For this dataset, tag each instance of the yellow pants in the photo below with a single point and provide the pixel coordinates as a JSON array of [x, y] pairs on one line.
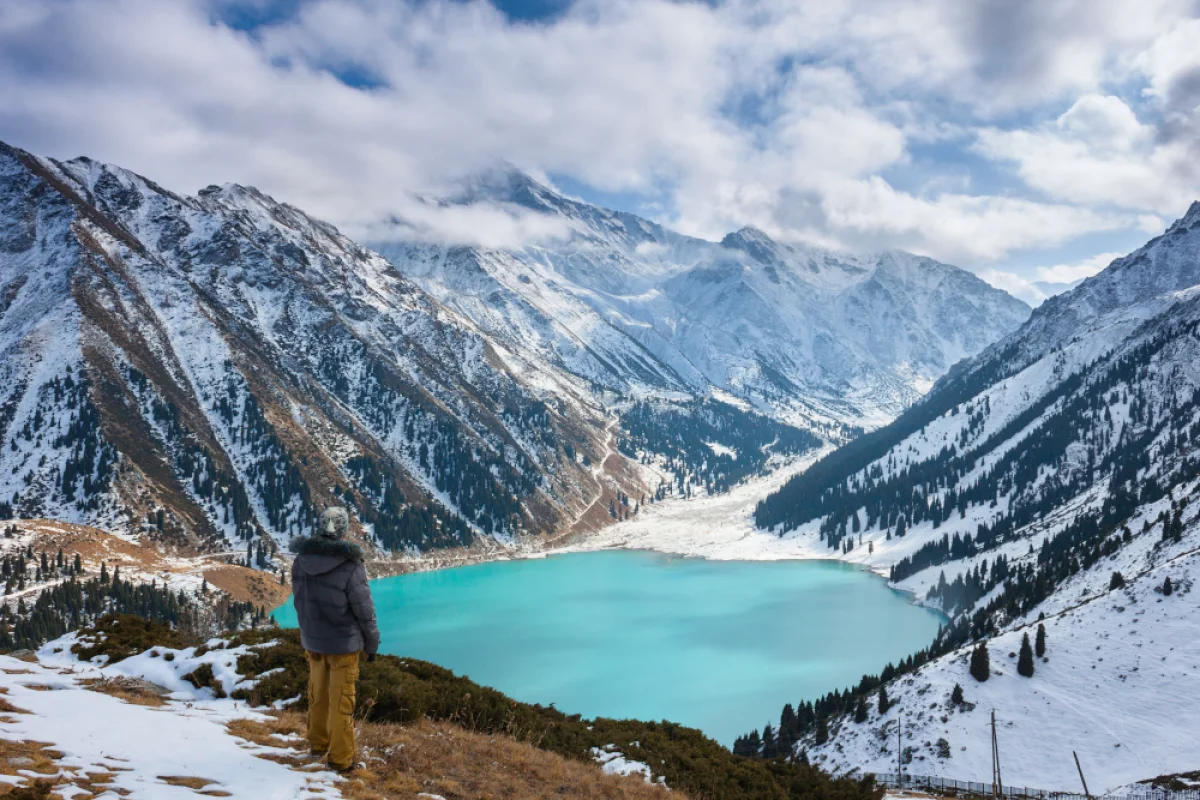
[[331, 680]]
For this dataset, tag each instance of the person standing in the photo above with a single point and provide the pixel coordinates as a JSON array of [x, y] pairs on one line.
[[337, 623]]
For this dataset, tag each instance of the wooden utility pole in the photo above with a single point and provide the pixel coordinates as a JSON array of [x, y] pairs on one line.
[[997, 783], [1082, 780]]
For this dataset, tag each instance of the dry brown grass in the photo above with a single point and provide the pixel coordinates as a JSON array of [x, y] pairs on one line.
[[93, 545], [195, 784], [39, 758], [129, 691], [404, 761], [7, 707], [248, 585]]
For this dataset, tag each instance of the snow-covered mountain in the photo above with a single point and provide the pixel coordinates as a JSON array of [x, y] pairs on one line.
[[1046, 481], [215, 368], [819, 338]]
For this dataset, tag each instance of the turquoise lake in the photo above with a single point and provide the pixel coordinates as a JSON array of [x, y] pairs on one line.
[[717, 645]]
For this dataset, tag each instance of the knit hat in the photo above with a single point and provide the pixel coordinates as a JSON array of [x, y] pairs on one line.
[[334, 523]]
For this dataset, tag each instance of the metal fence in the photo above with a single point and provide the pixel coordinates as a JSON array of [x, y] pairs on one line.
[[953, 787]]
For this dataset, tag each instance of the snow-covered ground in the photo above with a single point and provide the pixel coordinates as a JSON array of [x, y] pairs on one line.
[[715, 526], [137, 747], [1118, 686]]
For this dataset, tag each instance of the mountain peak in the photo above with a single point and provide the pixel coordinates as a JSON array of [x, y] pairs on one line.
[[506, 184], [752, 241], [1192, 216]]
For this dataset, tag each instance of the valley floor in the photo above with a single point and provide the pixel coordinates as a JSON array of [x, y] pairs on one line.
[[716, 527]]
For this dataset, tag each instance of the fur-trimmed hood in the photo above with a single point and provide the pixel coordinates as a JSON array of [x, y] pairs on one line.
[[318, 555]]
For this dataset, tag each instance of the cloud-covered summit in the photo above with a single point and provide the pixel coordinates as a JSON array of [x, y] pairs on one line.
[[1005, 136]]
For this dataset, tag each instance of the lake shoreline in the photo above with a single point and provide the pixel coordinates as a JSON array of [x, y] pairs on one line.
[[714, 527], [648, 635]]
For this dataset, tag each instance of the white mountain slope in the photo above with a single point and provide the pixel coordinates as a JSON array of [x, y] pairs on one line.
[[215, 368], [1063, 454], [806, 334]]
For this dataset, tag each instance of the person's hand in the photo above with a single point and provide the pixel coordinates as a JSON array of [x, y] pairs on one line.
[[370, 658]]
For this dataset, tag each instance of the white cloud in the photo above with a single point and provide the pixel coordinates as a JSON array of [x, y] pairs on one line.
[[1069, 273], [1104, 122], [784, 115], [494, 225], [1097, 152], [1020, 288]]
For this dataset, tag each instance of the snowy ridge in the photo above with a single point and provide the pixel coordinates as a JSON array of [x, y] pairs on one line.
[[234, 362], [1053, 476], [814, 337]]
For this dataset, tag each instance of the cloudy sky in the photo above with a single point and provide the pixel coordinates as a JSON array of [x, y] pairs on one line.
[[1028, 140]]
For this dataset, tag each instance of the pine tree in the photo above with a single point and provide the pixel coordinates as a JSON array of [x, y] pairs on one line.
[[980, 663], [103, 572], [956, 696], [770, 748], [1117, 581], [78, 569], [1025, 659], [884, 702], [901, 527], [1040, 644], [822, 730], [1167, 588], [860, 710]]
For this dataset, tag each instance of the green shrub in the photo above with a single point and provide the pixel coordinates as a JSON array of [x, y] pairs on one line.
[[120, 636], [403, 690], [202, 678]]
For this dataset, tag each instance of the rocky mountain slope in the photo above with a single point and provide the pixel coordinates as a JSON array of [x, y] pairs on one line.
[[1048, 481], [212, 370], [822, 339]]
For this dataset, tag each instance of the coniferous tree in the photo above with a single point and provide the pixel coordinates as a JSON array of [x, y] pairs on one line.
[[1117, 581], [956, 696], [822, 730], [860, 710], [1040, 644], [980, 663], [1167, 588], [1025, 658], [884, 702], [770, 747], [104, 572]]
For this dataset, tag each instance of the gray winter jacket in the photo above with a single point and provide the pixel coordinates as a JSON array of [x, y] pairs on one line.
[[333, 600]]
